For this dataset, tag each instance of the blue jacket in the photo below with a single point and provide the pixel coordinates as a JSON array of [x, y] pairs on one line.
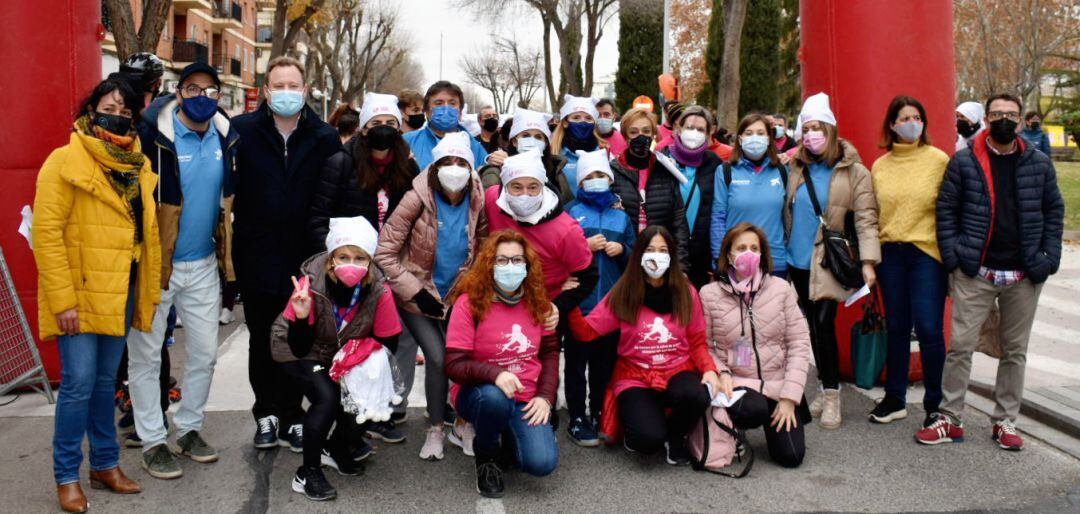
[[755, 197], [617, 227], [423, 141], [1038, 139]]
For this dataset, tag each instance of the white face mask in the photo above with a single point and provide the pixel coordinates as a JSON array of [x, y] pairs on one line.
[[692, 139], [524, 205], [454, 178], [655, 264], [526, 143]]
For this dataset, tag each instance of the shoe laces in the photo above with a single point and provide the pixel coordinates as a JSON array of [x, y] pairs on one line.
[[1007, 427], [317, 479], [489, 472], [297, 429], [434, 435], [266, 424]]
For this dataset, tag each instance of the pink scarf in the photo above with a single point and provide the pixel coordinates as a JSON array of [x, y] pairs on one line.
[[746, 286]]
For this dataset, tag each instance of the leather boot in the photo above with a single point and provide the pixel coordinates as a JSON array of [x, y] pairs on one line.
[[113, 480], [72, 498], [830, 413]]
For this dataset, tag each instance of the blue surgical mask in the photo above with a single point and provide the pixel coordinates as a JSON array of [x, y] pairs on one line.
[[778, 132], [605, 125], [595, 185], [754, 147], [510, 276], [200, 108], [286, 103], [444, 118], [581, 130]]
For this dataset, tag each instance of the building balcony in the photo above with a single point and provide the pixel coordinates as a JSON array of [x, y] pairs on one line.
[[226, 15], [189, 52], [266, 5], [264, 37], [182, 6], [226, 66]]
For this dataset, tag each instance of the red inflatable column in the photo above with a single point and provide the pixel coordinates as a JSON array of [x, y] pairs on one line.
[[862, 53], [51, 59]]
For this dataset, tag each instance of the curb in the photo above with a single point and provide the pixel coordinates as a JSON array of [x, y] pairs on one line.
[[1071, 235], [1048, 412]]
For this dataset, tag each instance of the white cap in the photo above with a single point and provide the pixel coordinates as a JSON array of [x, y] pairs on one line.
[[523, 165], [815, 108], [377, 104], [525, 119], [572, 104], [596, 160], [454, 144], [973, 111], [471, 125], [356, 232]]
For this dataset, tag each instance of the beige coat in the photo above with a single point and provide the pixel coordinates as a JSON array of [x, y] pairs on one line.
[[850, 189], [409, 239]]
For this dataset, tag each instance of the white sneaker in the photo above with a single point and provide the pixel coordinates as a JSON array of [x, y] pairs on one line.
[[178, 324], [226, 317], [462, 436], [433, 444]]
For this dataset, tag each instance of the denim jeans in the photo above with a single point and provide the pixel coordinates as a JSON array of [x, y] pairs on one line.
[[492, 414], [84, 404], [913, 286]]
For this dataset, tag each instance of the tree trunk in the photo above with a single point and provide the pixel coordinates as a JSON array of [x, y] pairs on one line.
[[129, 38], [570, 55], [727, 103], [549, 80], [277, 30], [155, 14]]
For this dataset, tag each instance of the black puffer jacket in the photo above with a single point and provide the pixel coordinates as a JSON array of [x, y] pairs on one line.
[[338, 195], [663, 203], [965, 211], [701, 238]]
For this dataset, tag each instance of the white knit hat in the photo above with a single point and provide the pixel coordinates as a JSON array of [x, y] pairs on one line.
[[525, 119], [973, 111], [596, 160], [377, 104], [523, 165], [471, 125], [356, 232], [572, 104], [454, 144], [815, 108]]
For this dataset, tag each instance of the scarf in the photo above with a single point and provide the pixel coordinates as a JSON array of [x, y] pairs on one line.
[[121, 158], [745, 287], [686, 156], [629, 160], [599, 200], [588, 144], [658, 298], [508, 298], [381, 164]]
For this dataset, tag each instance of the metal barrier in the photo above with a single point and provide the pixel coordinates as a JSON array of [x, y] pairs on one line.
[[20, 364]]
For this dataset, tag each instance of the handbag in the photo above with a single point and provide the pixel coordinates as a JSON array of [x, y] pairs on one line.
[[990, 334], [869, 344], [841, 248], [716, 445]]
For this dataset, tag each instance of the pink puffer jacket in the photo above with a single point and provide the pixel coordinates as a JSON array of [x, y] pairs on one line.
[[782, 337]]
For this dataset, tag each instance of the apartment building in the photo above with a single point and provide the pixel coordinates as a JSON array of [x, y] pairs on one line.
[[231, 35]]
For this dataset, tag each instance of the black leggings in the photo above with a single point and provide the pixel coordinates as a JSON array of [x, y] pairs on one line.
[[641, 411], [821, 317], [325, 397], [599, 357], [755, 410]]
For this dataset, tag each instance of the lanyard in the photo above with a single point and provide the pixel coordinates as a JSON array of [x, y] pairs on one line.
[[342, 313]]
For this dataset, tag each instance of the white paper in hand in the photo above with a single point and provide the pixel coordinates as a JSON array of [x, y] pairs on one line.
[[27, 222], [863, 291], [721, 399], [666, 162]]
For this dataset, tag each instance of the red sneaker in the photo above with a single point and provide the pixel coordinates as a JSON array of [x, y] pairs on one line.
[[940, 431], [1005, 434]]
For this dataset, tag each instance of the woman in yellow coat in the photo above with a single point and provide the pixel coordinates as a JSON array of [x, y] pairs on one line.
[[99, 265]]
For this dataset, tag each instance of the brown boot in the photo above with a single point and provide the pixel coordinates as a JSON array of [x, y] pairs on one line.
[[72, 498], [113, 480]]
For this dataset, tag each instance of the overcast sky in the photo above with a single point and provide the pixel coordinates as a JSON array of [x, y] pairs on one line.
[[463, 33]]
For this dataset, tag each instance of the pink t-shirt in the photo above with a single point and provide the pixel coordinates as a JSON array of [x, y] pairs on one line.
[[560, 243], [616, 144], [657, 341], [387, 323], [507, 337]]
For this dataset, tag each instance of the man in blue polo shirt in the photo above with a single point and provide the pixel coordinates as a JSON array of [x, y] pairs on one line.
[[442, 106], [191, 147]]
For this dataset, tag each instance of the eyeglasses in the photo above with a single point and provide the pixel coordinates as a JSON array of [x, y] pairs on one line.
[[997, 115], [192, 91], [503, 261]]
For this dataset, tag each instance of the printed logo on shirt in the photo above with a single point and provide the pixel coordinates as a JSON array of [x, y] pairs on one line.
[[580, 219], [217, 154], [740, 182], [184, 159], [775, 182], [657, 331], [516, 341]]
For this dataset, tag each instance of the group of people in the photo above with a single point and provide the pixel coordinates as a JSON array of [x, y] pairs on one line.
[[668, 268]]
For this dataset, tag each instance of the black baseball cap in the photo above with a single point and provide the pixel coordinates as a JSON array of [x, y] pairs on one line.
[[199, 67]]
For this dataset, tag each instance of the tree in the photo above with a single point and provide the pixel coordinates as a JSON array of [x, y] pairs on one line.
[[130, 39], [522, 68], [759, 65], [714, 56], [641, 48], [350, 42], [506, 71], [290, 17], [486, 70], [790, 85], [727, 102], [689, 39]]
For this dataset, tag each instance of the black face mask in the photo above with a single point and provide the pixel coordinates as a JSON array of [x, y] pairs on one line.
[[639, 145], [415, 121], [382, 137], [112, 123], [491, 125], [965, 128], [1035, 125], [1003, 131]]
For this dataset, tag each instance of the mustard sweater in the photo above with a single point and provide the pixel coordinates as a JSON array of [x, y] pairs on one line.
[[906, 184]]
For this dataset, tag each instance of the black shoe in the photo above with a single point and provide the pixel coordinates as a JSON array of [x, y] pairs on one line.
[[126, 423], [677, 454], [489, 481], [266, 433], [342, 462], [889, 409], [583, 433], [449, 417], [293, 438], [386, 431], [362, 451], [399, 417], [312, 483]]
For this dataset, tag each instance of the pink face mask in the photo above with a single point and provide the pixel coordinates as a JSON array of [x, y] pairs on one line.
[[815, 141], [747, 263], [350, 274]]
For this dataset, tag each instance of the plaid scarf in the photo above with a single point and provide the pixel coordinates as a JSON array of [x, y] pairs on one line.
[[121, 158]]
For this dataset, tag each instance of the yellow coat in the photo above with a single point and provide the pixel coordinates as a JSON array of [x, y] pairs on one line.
[[84, 242]]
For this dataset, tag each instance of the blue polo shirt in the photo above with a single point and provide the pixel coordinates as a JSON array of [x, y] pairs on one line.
[[201, 176], [804, 221], [423, 141], [754, 196], [452, 246]]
